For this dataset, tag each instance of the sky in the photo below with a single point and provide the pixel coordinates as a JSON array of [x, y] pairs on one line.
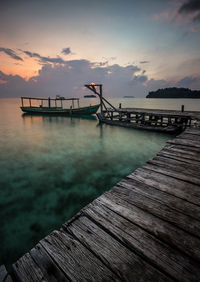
[[54, 47]]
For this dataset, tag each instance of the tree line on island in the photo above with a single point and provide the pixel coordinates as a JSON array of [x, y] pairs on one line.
[[174, 92]]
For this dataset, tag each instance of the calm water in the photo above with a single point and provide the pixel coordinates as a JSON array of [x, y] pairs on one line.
[[50, 167]]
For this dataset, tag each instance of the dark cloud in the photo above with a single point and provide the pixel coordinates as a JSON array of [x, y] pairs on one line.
[[44, 60], [144, 62], [68, 79], [188, 81], [10, 53], [66, 51], [191, 7]]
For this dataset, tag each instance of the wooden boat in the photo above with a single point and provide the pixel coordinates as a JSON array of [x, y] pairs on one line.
[[58, 107], [154, 120]]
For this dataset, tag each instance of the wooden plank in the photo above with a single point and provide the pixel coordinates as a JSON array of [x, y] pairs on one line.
[[167, 259], [77, 262], [50, 270], [113, 253], [172, 173], [189, 136], [171, 201], [185, 149], [182, 153], [186, 170], [3, 273], [179, 157], [25, 269], [185, 142], [173, 186], [163, 230], [178, 162], [157, 208], [4, 276], [193, 131]]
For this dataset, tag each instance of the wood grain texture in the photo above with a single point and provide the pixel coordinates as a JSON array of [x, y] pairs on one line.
[[125, 263], [4, 276], [161, 255], [174, 203], [179, 188], [158, 209], [76, 261], [172, 173]]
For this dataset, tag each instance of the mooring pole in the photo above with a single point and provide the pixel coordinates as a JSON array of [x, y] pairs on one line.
[[101, 105], [182, 108], [49, 102]]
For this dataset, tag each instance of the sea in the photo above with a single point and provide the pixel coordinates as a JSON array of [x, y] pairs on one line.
[[51, 167]]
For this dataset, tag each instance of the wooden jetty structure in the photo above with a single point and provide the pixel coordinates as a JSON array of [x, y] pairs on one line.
[[146, 228], [168, 121], [58, 107]]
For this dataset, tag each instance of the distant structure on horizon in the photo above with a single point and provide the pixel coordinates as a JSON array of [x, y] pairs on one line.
[[129, 97], [174, 92], [90, 96]]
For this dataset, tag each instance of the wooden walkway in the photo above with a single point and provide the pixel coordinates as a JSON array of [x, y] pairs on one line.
[[147, 228]]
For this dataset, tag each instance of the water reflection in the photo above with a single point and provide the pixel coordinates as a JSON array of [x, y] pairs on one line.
[[52, 166]]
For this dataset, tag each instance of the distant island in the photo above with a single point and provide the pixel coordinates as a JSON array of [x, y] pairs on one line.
[[89, 96], [174, 92], [129, 97]]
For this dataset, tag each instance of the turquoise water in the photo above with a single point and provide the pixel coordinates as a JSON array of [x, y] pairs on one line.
[[50, 167]]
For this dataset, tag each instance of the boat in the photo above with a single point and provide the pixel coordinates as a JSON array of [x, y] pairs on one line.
[[56, 106], [154, 120]]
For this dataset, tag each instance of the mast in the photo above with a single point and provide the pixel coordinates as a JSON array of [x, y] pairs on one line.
[[98, 90]]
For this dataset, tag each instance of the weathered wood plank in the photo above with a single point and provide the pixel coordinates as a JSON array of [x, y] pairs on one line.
[[172, 173], [3, 273], [179, 157], [4, 276], [50, 270], [157, 208], [178, 162], [193, 151], [171, 201], [125, 263], [176, 187], [165, 258], [186, 170], [189, 136], [185, 142], [182, 153], [77, 262], [25, 269], [193, 131], [163, 230]]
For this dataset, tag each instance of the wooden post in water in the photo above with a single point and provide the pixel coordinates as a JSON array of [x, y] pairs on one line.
[[101, 105], [22, 101], [30, 101], [49, 102], [182, 108]]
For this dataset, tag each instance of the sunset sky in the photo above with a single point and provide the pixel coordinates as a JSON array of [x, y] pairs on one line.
[[132, 47]]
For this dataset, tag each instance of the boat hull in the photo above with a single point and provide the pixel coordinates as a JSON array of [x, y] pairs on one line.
[[167, 129], [60, 111]]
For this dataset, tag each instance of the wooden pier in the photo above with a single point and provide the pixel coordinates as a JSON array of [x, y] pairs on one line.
[[146, 228], [169, 121]]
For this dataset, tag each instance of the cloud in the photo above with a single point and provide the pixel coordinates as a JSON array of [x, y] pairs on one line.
[[144, 62], [10, 53], [66, 51], [68, 79], [191, 7], [189, 82], [44, 60]]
